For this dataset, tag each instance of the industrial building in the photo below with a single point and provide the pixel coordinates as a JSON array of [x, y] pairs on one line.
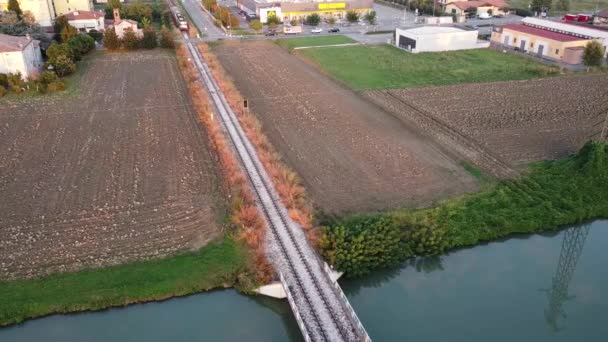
[[438, 38], [549, 39], [287, 10]]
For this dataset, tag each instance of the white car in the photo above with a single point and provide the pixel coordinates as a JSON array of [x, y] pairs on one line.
[[484, 15], [316, 30]]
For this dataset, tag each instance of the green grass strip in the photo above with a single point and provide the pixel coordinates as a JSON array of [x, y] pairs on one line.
[[216, 265], [291, 43]]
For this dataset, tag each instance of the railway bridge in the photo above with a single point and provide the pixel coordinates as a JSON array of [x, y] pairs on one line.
[[320, 307]]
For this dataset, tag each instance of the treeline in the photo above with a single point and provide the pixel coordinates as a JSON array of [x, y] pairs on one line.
[[223, 16], [553, 194], [132, 41]]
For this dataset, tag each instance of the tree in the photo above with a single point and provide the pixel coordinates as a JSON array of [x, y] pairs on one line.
[[313, 19], [130, 41], [370, 17], [68, 32], [331, 21], [539, 5], [352, 16], [166, 38], [110, 39], [256, 25], [28, 18], [273, 19], [56, 50], [13, 6], [593, 54], [48, 81], [145, 22], [114, 4], [293, 22], [149, 41], [60, 23], [209, 4], [136, 11], [62, 65]]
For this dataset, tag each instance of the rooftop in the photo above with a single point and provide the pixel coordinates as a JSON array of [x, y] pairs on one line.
[[13, 43], [565, 27], [433, 29], [464, 5], [84, 15], [560, 37]]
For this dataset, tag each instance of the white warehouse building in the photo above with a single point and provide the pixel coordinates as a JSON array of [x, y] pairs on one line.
[[437, 38]]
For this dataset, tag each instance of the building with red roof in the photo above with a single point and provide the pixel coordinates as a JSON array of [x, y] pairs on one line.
[[541, 41], [87, 20], [474, 7]]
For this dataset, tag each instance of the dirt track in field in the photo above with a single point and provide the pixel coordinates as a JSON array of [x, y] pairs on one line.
[[120, 172], [518, 121], [351, 155]]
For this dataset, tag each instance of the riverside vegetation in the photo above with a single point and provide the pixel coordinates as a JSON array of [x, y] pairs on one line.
[[550, 195]]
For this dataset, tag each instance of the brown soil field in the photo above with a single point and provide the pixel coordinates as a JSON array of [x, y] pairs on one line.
[[519, 121], [351, 155], [119, 172]]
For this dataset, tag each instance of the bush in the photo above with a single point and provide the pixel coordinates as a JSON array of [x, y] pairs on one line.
[[56, 50], [130, 41], [371, 17], [523, 12], [3, 91], [149, 41], [352, 16], [45, 79], [56, 86], [110, 40], [68, 32], [593, 54], [3, 80], [255, 25], [63, 65], [166, 39], [16, 83], [313, 19]]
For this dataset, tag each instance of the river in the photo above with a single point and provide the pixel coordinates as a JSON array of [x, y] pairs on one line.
[[530, 288]]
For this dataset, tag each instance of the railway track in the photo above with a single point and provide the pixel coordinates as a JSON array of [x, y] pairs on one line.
[[324, 312]]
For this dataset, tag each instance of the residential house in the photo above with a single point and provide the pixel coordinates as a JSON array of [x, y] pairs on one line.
[[20, 54], [66, 6], [42, 10], [476, 7], [85, 21]]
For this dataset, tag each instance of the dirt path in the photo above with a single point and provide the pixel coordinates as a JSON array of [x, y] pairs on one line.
[[121, 172], [351, 155]]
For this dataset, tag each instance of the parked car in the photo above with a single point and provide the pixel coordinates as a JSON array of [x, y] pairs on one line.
[[333, 30], [271, 33], [484, 15], [316, 30]]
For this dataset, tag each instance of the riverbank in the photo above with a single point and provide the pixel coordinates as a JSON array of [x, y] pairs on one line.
[[550, 195], [217, 265]]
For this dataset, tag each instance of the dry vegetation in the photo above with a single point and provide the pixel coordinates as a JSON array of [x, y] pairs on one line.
[[286, 181], [117, 173], [245, 213], [518, 121]]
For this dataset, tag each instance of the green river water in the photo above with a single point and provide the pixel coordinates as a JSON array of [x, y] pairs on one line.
[[532, 288]]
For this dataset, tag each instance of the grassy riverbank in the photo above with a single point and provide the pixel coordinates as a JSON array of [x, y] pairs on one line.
[[550, 195], [219, 264]]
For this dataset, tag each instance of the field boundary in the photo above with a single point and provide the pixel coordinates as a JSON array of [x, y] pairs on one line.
[[323, 46]]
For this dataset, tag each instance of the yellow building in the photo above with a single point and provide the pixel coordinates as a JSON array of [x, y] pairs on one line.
[[288, 10], [474, 8], [66, 6], [539, 41]]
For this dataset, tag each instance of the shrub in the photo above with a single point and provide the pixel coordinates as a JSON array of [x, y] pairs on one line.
[[110, 40], [149, 40], [3, 80], [56, 86], [3, 91], [48, 81], [166, 38], [273, 20], [371, 17], [293, 22], [313, 19], [593, 54], [63, 65], [255, 25], [130, 41], [16, 83], [352, 16], [68, 32], [522, 12], [56, 50]]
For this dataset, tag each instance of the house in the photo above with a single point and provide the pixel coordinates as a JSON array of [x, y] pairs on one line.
[[548, 39], [437, 38], [87, 20], [66, 6], [475, 8], [601, 18], [20, 54], [42, 10], [120, 25]]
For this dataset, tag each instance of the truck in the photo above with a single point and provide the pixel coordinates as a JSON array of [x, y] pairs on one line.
[[288, 29]]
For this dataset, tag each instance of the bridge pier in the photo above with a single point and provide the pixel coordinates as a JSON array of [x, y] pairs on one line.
[[276, 290]]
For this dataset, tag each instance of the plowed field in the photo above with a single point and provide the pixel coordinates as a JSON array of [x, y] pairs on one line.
[[120, 172], [518, 121], [352, 155]]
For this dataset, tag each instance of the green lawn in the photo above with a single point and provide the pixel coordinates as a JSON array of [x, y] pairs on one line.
[[384, 66], [291, 43], [215, 265]]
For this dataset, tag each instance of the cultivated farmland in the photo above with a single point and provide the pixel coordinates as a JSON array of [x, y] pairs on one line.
[[119, 172], [519, 121], [351, 155]]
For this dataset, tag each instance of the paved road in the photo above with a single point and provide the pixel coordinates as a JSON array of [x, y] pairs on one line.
[[202, 19]]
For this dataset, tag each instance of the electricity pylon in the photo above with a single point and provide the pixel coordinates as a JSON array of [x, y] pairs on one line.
[[572, 247]]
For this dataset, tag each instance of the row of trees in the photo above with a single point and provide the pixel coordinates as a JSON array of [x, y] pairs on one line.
[[131, 41], [62, 57], [47, 81]]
